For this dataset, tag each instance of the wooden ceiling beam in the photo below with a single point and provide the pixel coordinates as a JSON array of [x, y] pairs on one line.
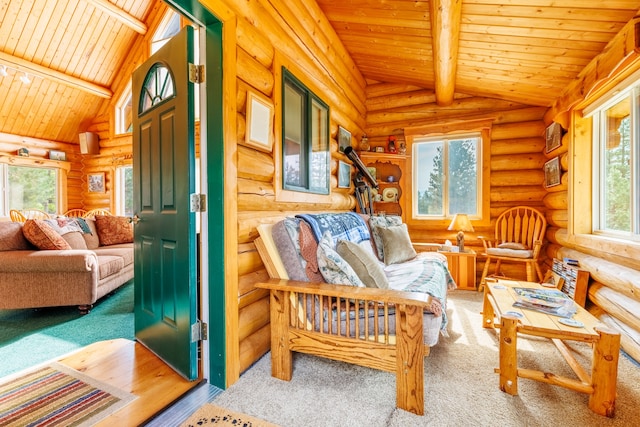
[[114, 11], [28, 67], [445, 31]]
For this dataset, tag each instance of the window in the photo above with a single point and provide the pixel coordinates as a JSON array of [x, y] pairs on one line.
[[616, 160], [169, 27], [446, 176], [29, 188], [124, 122], [305, 143], [124, 190]]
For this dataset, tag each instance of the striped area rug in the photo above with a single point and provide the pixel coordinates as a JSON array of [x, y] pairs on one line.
[[56, 395]]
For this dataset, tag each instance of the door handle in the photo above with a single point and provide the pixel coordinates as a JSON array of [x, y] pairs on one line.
[[136, 219]]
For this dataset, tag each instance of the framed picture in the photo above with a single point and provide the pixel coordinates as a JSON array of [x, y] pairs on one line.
[[95, 181], [57, 155], [344, 138], [259, 131], [552, 172], [344, 174], [553, 136]]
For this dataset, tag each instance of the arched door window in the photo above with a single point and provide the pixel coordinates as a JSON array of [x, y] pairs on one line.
[[158, 86]]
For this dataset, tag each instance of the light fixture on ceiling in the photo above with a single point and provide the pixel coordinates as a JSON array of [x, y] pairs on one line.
[[24, 78], [3, 71]]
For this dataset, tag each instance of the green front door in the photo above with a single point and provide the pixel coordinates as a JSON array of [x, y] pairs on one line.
[[165, 237]]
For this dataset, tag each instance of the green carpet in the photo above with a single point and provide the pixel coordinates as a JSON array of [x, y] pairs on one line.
[[29, 337]]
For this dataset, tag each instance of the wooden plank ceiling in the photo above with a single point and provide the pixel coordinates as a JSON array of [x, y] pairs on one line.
[[71, 51], [525, 51]]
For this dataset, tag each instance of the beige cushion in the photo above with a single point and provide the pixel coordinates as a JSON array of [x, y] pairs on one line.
[[43, 236], [12, 238], [383, 221], [513, 245], [512, 253], [364, 263], [75, 240], [333, 267], [396, 244], [114, 229], [91, 240]]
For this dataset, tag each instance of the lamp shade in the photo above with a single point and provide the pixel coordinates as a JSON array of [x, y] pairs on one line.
[[460, 222]]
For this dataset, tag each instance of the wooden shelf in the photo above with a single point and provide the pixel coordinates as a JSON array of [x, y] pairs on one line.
[[576, 281], [387, 165]]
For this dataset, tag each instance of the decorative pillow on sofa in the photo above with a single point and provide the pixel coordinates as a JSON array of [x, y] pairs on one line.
[[382, 221], [396, 244], [43, 236], [75, 240], [91, 238], [334, 269], [114, 229], [12, 238], [364, 263]]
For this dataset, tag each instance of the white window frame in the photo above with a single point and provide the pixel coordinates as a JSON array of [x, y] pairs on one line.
[[121, 111], [120, 193]]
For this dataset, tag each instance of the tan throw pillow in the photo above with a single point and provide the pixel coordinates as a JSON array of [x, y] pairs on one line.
[[43, 236], [364, 263], [396, 244], [384, 221], [75, 240], [12, 238], [114, 229], [91, 239]]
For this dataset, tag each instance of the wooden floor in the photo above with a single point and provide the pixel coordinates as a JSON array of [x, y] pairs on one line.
[[131, 367]]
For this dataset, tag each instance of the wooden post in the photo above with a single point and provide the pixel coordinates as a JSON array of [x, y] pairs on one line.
[[409, 359], [281, 355], [604, 373], [508, 355], [487, 310]]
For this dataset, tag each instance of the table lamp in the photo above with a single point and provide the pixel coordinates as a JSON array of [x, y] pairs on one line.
[[461, 223]]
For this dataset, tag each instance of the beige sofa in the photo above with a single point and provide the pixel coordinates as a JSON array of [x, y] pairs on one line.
[[31, 278]]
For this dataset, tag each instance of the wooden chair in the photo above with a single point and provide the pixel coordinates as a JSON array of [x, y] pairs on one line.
[[518, 239], [75, 213], [16, 216], [93, 212], [34, 214]]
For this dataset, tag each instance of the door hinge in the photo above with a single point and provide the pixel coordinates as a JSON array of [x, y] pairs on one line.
[[196, 73], [199, 331], [198, 202]]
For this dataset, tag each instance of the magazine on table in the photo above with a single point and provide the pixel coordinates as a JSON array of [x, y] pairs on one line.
[[548, 301]]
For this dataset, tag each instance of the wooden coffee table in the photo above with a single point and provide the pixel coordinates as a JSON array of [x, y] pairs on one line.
[[498, 310]]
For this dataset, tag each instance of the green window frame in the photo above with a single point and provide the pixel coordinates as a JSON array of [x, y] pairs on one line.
[[305, 138]]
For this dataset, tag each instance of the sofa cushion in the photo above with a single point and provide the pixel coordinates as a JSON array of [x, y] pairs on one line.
[[513, 245], [108, 265], [512, 253], [364, 263], [12, 238], [396, 244], [334, 269], [382, 221], [91, 238], [75, 240], [123, 250], [43, 236], [114, 229], [286, 237]]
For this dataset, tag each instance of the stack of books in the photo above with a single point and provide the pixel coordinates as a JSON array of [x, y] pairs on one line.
[[548, 301]]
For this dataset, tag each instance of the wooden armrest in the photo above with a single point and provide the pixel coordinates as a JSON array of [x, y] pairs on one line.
[[351, 292], [487, 243]]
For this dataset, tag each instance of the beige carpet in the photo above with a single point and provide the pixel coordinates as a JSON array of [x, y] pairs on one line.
[[214, 415], [461, 388]]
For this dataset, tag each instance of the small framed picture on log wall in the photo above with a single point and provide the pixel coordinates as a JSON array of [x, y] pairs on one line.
[[95, 182], [344, 174], [553, 136], [259, 127], [552, 172], [344, 138]]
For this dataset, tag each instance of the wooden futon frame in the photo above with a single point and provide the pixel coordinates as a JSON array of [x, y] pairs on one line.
[[346, 323]]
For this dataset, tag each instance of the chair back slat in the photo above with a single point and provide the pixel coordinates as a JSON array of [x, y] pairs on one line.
[[520, 225]]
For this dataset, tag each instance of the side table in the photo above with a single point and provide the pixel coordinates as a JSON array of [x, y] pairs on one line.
[[462, 266]]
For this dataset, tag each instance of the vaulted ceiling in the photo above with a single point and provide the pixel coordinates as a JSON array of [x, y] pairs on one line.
[[525, 51]]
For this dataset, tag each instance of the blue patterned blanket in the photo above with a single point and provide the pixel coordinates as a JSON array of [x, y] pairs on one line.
[[342, 226]]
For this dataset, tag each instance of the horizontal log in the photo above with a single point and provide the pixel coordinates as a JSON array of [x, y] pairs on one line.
[[519, 195], [255, 165], [248, 259], [254, 73], [520, 178], [254, 43], [385, 89], [518, 130], [246, 282], [517, 162], [252, 318], [517, 146], [556, 200], [248, 222], [615, 304], [557, 217], [254, 346], [629, 337]]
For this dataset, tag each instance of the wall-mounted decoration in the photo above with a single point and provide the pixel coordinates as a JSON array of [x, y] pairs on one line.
[[552, 172], [259, 132], [344, 174], [553, 136], [95, 182], [57, 155], [23, 152], [344, 139]]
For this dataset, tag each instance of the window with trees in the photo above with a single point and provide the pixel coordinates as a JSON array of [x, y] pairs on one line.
[[124, 190], [616, 161], [29, 187], [305, 142], [447, 176]]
